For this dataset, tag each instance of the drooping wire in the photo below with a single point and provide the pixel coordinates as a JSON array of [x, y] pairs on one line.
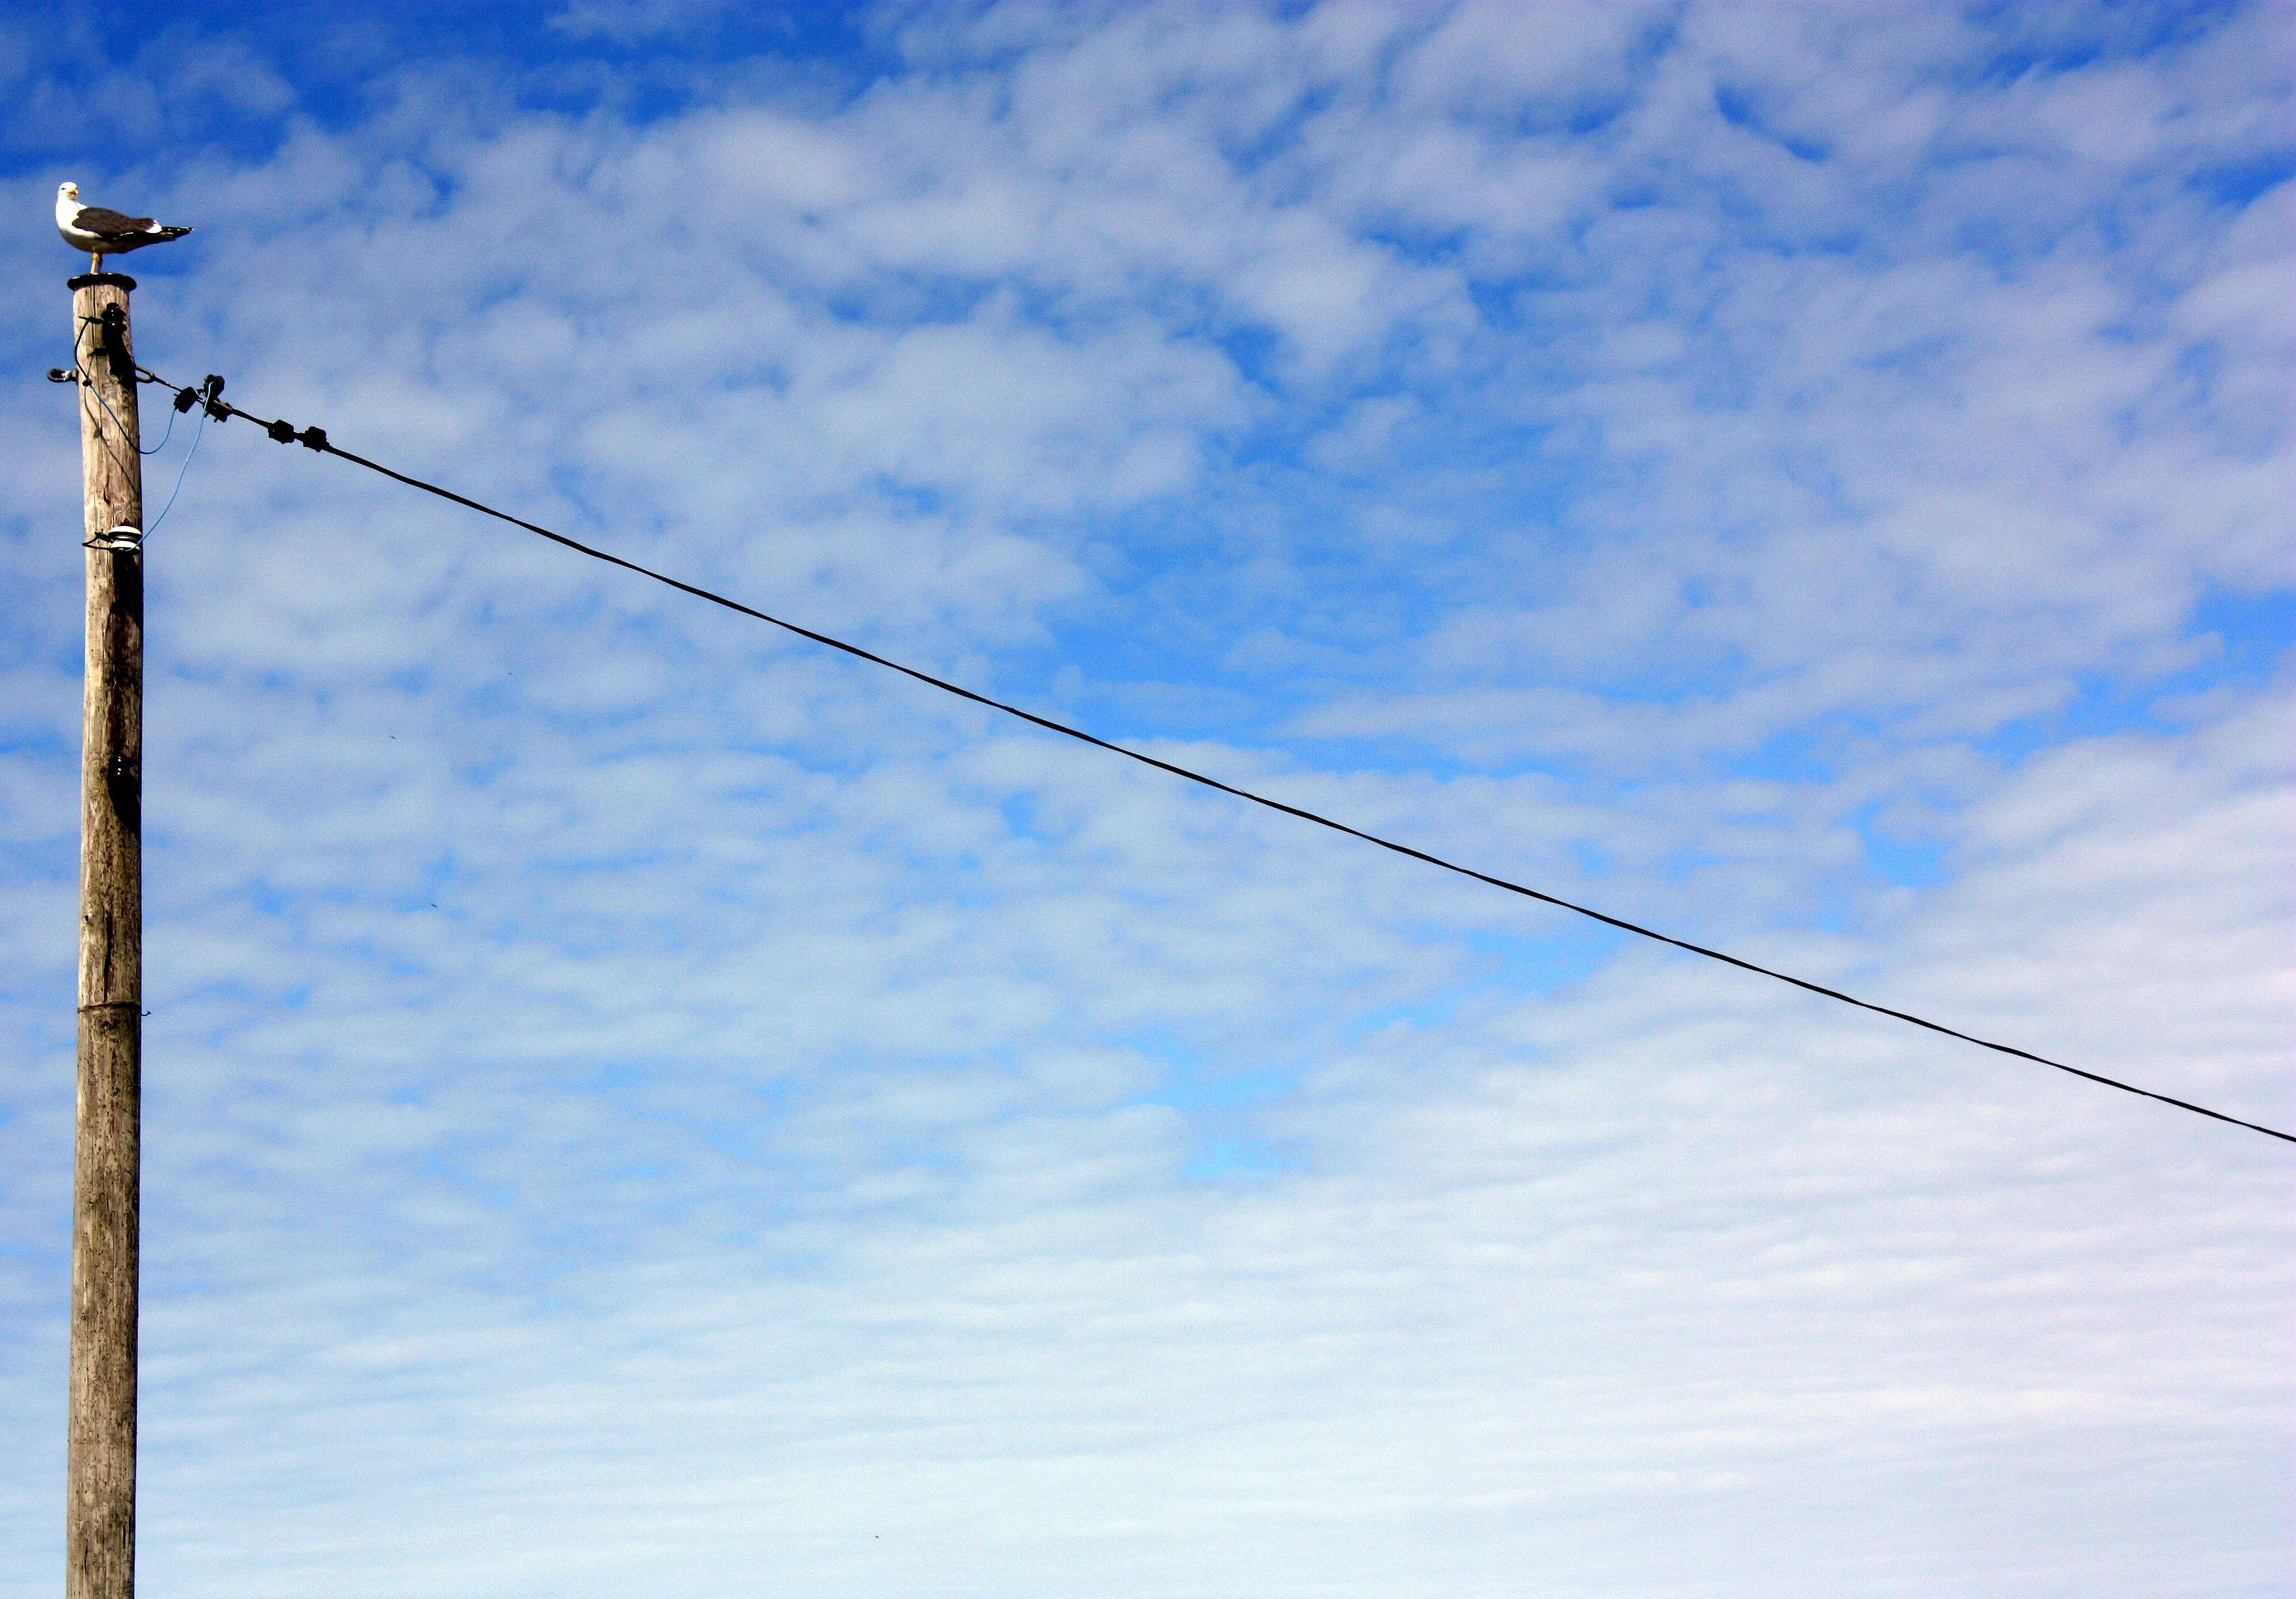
[[80, 371], [165, 433], [315, 439], [87, 386], [198, 432]]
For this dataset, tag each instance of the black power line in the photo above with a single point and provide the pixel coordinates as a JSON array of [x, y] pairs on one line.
[[315, 439]]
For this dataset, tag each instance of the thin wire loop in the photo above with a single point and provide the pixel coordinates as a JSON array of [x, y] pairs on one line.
[[87, 386], [165, 433], [198, 432]]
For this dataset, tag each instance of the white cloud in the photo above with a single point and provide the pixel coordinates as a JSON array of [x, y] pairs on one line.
[[635, 1103]]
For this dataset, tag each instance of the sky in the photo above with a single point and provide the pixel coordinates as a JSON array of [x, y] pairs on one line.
[[637, 1103]]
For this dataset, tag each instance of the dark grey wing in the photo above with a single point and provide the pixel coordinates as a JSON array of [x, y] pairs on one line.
[[110, 224]]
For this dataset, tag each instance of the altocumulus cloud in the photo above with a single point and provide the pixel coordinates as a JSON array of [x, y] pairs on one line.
[[635, 1105]]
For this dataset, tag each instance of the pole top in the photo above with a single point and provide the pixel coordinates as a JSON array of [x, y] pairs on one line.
[[101, 280]]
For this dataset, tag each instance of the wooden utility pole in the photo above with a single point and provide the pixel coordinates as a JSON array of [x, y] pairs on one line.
[[107, 1155]]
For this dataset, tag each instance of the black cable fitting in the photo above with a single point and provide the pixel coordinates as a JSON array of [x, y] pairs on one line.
[[281, 432], [211, 395], [313, 438], [60, 374], [186, 398]]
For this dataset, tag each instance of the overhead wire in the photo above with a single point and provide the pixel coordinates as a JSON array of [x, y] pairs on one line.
[[198, 432], [165, 433], [316, 440], [86, 385]]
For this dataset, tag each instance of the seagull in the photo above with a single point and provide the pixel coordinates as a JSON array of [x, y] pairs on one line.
[[101, 233]]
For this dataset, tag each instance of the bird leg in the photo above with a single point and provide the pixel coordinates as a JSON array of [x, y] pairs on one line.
[[97, 258]]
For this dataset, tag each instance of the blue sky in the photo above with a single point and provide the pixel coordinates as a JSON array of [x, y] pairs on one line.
[[634, 1101]]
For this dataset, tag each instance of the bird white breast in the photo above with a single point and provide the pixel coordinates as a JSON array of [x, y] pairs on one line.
[[75, 236]]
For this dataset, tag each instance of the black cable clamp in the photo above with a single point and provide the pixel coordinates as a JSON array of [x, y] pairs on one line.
[[284, 432]]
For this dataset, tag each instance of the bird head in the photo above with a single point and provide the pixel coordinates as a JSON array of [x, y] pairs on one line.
[[70, 189]]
